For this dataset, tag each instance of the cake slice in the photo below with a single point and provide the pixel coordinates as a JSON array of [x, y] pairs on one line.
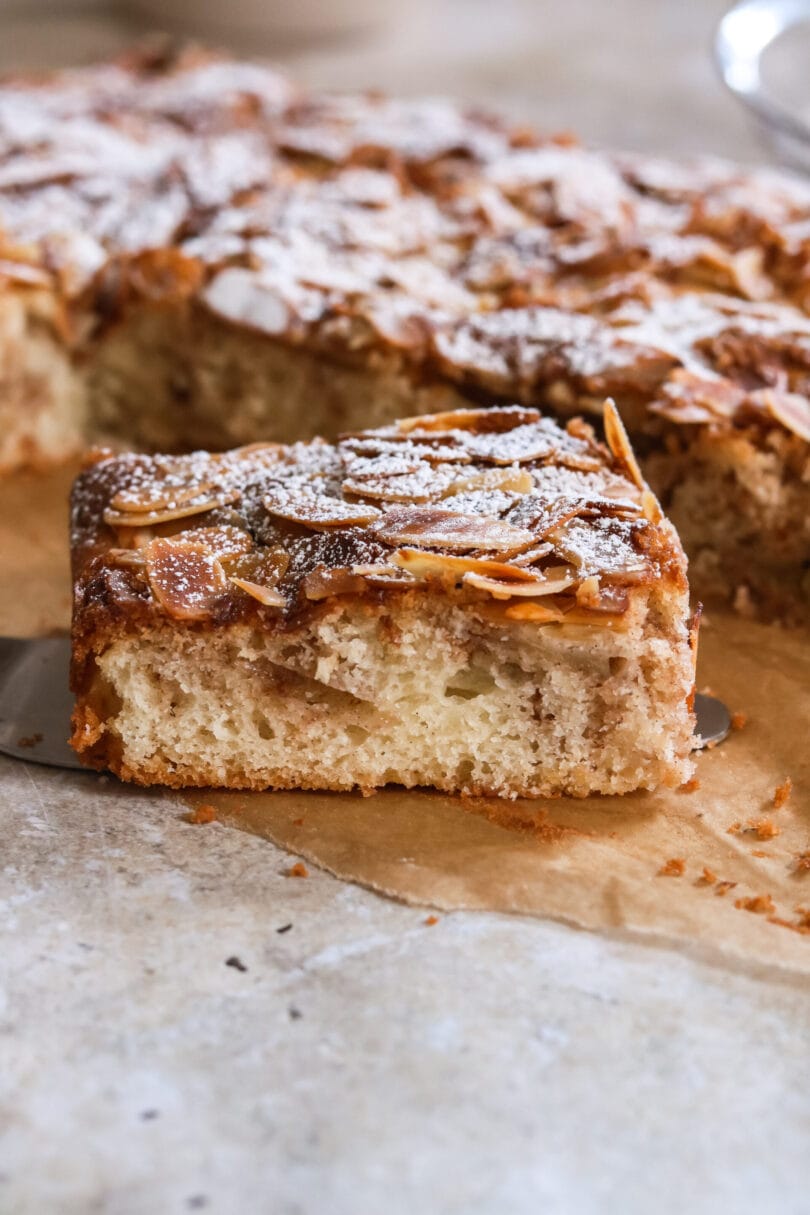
[[480, 601]]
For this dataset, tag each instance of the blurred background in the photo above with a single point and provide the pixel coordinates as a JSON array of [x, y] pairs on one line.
[[633, 73]]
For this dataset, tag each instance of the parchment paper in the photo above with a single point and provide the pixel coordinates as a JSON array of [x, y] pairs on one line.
[[596, 863]]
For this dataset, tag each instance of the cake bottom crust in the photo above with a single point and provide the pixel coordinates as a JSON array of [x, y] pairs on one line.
[[363, 697]]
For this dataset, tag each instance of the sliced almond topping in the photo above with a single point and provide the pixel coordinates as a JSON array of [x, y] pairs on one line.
[[542, 514], [536, 612], [552, 583], [225, 541], [264, 566], [532, 555], [588, 592], [619, 443], [134, 518], [266, 595], [383, 575], [425, 565], [430, 527], [130, 500], [650, 506], [481, 420], [792, 410], [318, 511], [187, 580], [322, 582], [514, 480], [421, 485]]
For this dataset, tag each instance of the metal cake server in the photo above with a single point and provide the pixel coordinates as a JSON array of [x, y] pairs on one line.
[[36, 702]]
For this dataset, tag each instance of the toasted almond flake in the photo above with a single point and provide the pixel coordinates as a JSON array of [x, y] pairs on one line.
[[422, 485], [791, 410], [588, 592], [551, 583], [425, 565], [133, 557], [650, 506], [514, 480], [535, 612], [266, 595], [619, 443], [384, 575], [323, 582], [128, 500], [430, 527], [318, 511], [225, 541], [116, 518], [496, 419], [187, 580], [532, 555]]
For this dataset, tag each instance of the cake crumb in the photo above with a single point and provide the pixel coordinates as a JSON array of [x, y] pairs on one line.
[[802, 862], [764, 829], [236, 963], [201, 814], [29, 740], [431, 920], [298, 870], [722, 888], [674, 867], [759, 904], [707, 878], [690, 786], [735, 828], [781, 793], [739, 721]]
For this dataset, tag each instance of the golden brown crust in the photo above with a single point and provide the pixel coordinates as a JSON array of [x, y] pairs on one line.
[[501, 507]]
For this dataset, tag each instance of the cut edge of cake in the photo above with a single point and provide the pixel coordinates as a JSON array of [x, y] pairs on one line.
[[481, 602]]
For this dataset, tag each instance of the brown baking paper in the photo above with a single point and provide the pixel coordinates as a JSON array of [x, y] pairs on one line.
[[596, 863]]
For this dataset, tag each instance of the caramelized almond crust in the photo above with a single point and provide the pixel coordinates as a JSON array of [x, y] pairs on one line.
[[516, 551], [195, 250]]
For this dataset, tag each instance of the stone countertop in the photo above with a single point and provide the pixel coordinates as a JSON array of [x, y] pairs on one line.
[[362, 1061]]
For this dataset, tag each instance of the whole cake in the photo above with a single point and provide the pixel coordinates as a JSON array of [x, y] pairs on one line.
[[481, 601], [196, 253]]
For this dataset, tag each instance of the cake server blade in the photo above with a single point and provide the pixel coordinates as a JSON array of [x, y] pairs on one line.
[[35, 701]]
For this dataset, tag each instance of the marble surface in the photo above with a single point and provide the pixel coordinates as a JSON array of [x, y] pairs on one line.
[[363, 1061]]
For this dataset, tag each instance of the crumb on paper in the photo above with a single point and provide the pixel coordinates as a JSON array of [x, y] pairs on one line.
[[802, 862], [29, 740], [431, 920], [690, 786], [759, 852], [298, 870], [781, 793], [764, 829], [236, 963], [284, 928], [674, 867], [739, 721], [707, 878], [722, 888], [201, 814], [800, 925], [759, 904]]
